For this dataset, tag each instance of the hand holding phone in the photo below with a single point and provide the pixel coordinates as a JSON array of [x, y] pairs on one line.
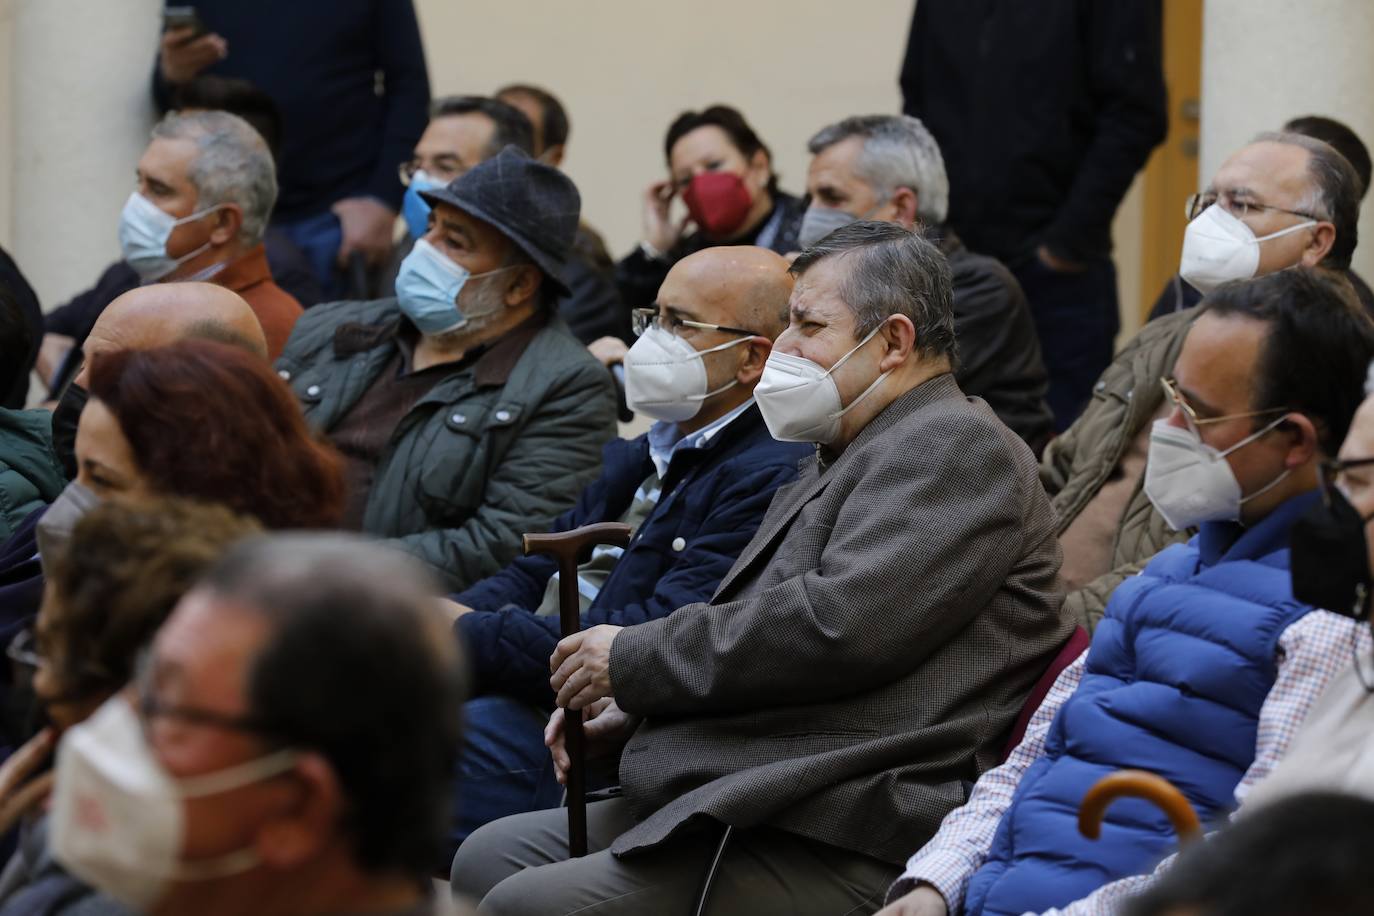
[[188, 46]]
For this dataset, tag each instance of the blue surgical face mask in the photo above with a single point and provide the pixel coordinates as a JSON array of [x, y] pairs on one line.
[[427, 288], [413, 207], [144, 229]]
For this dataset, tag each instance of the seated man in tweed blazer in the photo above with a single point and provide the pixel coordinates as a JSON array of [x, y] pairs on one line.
[[861, 662]]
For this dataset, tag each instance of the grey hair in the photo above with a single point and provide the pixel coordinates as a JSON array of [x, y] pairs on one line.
[[1334, 195], [898, 152], [232, 166], [892, 271]]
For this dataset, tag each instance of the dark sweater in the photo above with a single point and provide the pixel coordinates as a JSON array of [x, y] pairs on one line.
[[321, 62]]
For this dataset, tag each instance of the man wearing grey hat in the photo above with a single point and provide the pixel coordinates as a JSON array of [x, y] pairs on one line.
[[465, 410]]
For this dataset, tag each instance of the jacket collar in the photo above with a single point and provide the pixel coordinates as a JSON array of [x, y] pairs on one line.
[[493, 367], [928, 392], [1222, 542], [249, 269]]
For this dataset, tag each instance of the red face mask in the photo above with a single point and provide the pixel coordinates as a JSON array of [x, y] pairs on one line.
[[719, 202]]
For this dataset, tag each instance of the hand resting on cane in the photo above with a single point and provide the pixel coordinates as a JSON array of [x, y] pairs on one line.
[[606, 726]]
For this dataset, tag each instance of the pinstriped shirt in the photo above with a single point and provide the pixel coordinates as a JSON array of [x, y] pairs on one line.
[[1310, 653]]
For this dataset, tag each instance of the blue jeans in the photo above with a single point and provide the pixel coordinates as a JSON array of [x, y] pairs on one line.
[[504, 767], [1076, 317], [319, 237]]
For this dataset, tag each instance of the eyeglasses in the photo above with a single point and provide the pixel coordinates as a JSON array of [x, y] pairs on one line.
[[150, 707], [643, 319], [444, 170], [1238, 208], [1195, 423], [1329, 475]]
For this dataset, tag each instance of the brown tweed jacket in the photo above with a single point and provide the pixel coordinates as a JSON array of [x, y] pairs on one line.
[[862, 662]]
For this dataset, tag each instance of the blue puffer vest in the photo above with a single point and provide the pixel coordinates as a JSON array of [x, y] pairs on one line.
[[1174, 682]]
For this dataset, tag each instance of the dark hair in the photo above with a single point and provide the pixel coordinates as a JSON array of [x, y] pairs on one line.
[[1318, 349], [892, 271], [1335, 194], [236, 96], [16, 341], [1344, 140], [511, 127], [210, 421], [553, 117], [126, 567], [360, 669], [727, 119], [1307, 855]]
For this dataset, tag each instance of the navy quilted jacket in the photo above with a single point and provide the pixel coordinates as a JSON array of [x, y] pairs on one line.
[[712, 500]]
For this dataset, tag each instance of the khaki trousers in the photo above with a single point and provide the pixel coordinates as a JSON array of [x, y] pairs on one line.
[[519, 865]]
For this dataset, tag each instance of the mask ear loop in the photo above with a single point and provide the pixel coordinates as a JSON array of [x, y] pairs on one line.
[[1359, 611]]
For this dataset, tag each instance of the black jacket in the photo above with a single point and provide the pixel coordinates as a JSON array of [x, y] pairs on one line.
[[17, 382], [1044, 112], [320, 61], [639, 276], [999, 354]]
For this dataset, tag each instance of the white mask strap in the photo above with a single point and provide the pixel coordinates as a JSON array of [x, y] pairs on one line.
[[1281, 232], [841, 361], [867, 391], [236, 777], [1251, 438]]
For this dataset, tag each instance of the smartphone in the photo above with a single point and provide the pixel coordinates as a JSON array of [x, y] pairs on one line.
[[182, 17]]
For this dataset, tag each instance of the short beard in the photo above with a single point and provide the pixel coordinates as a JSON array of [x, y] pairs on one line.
[[486, 303]]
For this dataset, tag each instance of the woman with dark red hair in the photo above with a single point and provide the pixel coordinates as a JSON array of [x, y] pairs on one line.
[[207, 421]]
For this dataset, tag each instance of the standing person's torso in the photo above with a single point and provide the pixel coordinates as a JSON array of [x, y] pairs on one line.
[[1003, 87], [318, 61]]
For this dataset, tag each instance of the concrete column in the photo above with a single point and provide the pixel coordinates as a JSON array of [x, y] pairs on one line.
[[77, 114], [1265, 61]]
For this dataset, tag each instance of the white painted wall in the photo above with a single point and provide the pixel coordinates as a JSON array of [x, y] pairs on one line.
[[77, 116], [1265, 61]]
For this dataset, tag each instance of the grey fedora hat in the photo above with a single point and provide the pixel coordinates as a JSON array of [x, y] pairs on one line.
[[534, 205]]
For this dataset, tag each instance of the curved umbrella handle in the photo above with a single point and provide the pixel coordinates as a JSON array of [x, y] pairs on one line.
[[1138, 784]]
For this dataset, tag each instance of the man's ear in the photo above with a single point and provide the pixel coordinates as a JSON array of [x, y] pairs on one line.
[[905, 203], [1304, 440], [226, 223], [308, 821], [523, 284], [1319, 245], [899, 339], [553, 155], [756, 351]]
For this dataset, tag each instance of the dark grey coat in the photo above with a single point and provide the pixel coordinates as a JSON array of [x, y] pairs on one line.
[[862, 662]]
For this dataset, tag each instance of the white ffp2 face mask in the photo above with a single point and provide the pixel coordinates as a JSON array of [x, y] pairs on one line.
[[117, 821], [800, 401], [1218, 247], [665, 377], [1189, 482]]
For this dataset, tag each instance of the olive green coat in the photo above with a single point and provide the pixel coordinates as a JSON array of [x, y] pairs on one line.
[[492, 452]]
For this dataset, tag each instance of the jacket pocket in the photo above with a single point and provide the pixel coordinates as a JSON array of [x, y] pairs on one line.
[[462, 454]]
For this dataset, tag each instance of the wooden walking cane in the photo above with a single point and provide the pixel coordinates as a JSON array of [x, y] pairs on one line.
[[568, 548], [1138, 784]]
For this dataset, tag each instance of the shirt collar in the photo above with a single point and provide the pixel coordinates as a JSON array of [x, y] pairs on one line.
[[665, 440]]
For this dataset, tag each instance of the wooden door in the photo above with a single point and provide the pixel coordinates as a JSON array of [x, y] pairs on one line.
[[1172, 172]]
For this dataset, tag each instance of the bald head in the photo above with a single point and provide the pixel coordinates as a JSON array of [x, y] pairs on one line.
[[162, 313], [735, 286]]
